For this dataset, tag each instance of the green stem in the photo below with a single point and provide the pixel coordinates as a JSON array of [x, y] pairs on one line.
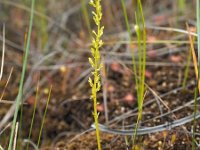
[[33, 115], [44, 116], [130, 39], [95, 63], [96, 121], [142, 64], [19, 97]]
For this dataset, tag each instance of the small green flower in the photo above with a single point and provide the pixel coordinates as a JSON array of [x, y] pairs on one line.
[[95, 61]]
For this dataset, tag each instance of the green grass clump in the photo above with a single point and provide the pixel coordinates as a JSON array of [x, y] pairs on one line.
[[132, 50], [95, 61], [130, 39], [139, 72], [141, 36]]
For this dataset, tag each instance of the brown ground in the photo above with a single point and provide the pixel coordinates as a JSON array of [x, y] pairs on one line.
[[69, 117]]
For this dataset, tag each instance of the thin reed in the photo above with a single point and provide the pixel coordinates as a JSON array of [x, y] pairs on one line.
[[20, 93], [44, 116], [33, 115]]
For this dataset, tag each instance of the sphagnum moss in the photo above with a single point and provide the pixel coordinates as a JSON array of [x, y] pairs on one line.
[[95, 61]]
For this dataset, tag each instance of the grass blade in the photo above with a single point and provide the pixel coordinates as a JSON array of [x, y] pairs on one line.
[[15, 138], [142, 59], [43, 118], [33, 115], [130, 40], [20, 93]]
